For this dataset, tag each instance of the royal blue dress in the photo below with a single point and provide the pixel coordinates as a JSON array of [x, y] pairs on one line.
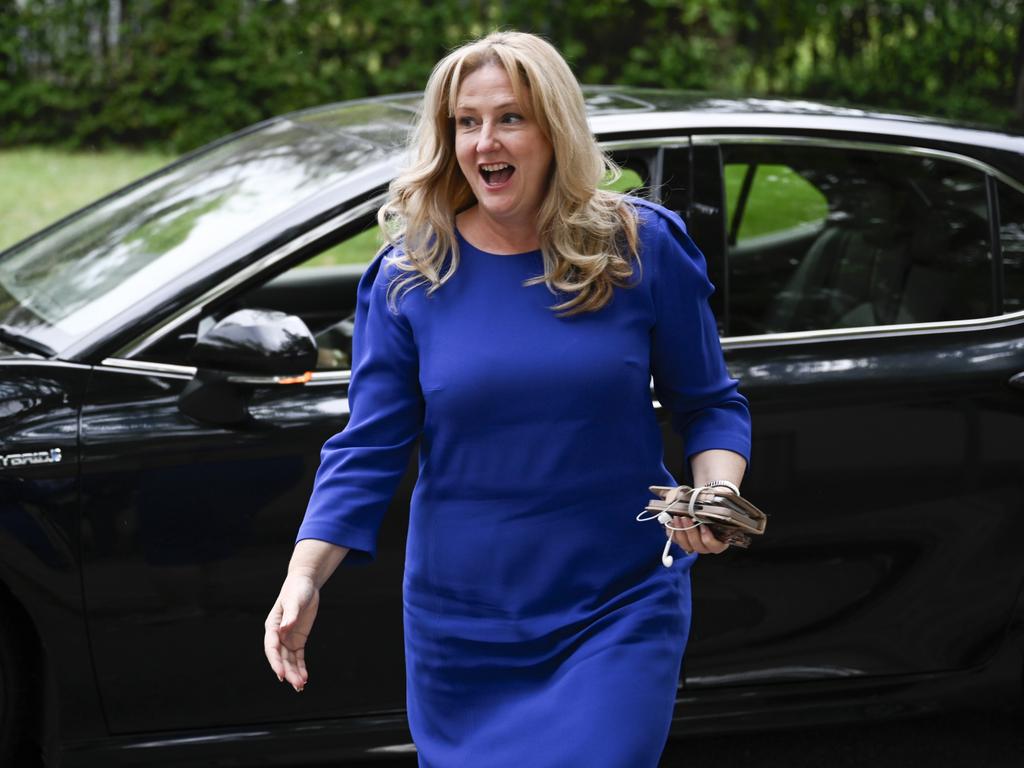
[[541, 628]]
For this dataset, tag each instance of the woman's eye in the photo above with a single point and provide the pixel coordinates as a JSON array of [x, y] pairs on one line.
[[512, 117], [464, 121]]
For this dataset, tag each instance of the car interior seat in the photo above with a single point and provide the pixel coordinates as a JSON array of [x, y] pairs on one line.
[[929, 290], [854, 271]]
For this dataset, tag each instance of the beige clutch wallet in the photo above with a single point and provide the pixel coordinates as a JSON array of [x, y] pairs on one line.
[[730, 517]]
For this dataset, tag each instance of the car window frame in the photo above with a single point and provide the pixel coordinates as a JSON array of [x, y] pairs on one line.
[[990, 173]]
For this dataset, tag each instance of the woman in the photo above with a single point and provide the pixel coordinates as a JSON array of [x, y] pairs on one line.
[[513, 325]]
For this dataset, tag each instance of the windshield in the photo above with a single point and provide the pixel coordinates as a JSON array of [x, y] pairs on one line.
[[88, 270]]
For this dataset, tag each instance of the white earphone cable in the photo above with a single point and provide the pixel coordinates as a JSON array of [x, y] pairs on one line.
[[665, 517]]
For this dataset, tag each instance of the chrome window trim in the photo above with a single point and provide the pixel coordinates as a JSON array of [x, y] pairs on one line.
[[666, 142], [137, 366], [872, 331], [188, 371], [706, 139], [197, 307]]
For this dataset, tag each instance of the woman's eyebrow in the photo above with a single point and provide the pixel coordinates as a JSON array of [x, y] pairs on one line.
[[471, 107]]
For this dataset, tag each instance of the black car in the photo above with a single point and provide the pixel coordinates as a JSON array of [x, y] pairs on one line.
[[174, 356]]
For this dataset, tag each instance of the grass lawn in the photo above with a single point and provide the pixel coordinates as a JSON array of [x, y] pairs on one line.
[[40, 185], [779, 200]]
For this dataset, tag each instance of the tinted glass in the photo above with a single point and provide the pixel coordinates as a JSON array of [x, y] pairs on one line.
[[320, 290], [836, 238], [91, 268], [1011, 239]]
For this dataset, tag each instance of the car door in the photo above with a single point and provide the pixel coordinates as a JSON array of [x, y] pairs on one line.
[[188, 527], [862, 320]]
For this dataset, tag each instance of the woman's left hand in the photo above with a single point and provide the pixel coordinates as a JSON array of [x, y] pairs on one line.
[[700, 539], [712, 464], [697, 539]]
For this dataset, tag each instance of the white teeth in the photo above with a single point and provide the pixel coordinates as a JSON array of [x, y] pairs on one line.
[[495, 167]]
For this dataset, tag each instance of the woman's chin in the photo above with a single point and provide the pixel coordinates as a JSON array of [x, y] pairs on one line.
[[503, 206]]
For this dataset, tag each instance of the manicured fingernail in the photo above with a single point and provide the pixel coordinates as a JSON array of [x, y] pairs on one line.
[[280, 679]]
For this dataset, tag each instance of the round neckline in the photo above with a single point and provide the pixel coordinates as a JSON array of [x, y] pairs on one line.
[[464, 241]]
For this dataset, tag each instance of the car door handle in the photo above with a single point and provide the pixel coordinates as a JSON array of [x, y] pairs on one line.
[[1017, 380]]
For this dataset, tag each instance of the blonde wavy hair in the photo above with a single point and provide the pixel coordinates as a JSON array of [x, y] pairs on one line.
[[588, 235]]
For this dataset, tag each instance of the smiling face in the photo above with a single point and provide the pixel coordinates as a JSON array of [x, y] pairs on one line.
[[500, 147]]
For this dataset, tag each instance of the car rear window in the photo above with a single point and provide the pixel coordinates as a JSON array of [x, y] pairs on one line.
[[823, 238]]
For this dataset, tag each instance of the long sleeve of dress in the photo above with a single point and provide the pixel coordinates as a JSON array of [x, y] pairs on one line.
[[360, 467], [690, 377]]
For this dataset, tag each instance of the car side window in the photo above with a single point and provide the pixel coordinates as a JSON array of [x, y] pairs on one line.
[[321, 290], [822, 237], [1011, 240], [358, 249]]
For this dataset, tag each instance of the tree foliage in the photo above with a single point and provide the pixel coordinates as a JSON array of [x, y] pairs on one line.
[[177, 73]]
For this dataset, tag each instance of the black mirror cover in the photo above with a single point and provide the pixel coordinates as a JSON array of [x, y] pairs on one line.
[[211, 399], [258, 341]]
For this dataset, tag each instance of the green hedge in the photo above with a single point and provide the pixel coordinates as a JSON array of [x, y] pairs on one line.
[[177, 73]]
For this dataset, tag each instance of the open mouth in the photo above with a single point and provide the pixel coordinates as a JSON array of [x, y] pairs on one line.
[[496, 174]]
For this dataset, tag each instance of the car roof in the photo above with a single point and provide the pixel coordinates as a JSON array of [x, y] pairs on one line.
[[613, 110]]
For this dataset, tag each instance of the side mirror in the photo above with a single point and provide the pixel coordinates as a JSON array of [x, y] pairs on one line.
[[248, 348], [257, 341]]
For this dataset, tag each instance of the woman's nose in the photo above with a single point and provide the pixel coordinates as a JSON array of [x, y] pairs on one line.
[[487, 141]]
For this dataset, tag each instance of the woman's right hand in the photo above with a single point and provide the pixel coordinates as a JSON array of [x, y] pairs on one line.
[[288, 626]]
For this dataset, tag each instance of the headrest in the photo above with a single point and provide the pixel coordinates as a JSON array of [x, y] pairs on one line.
[[870, 206]]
